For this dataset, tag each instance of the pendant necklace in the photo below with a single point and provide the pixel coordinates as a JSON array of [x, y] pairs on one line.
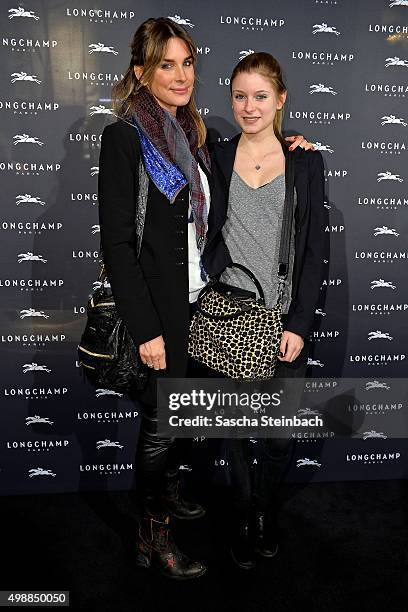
[[257, 165]]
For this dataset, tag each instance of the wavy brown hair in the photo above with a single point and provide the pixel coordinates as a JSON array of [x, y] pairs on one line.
[[148, 48], [267, 66]]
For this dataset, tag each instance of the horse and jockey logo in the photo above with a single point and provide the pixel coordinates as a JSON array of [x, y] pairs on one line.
[[392, 119], [23, 76], [21, 12], [379, 335], [307, 461], [100, 110], [308, 412], [34, 367], [384, 230], [185, 468], [321, 88], [245, 53], [21, 138], [32, 420], [375, 284], [94, 170], [101, 48], [30, 257], [323, 147], [39, 471], [389, 176], [181, 21], [105, 443], [395, 61], [376, 384], [374, 434], [31, 312], [320, 312], [27, 198], [320, 28], [99, 284], [314, 362], [100, 392], [96, 229]]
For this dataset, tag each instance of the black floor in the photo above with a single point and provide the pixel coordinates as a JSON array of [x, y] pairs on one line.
[[343, 548]]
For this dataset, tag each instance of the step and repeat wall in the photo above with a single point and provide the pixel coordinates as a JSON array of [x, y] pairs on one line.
[[346, 69]]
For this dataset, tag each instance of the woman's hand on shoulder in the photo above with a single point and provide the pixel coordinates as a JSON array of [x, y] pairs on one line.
[[299, 141], [290, 346], [153, 354]]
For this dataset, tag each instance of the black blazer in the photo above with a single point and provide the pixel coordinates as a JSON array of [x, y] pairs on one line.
[[308, 270], [151, 293]]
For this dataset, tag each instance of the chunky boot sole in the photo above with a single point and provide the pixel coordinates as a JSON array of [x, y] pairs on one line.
[[143, 562], [268, 554], [245, 566], [172, 577]]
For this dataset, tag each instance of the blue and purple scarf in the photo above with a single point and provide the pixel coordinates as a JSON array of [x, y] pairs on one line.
[[169, 147]]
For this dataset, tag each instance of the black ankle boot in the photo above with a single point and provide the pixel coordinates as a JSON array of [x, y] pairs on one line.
[[266, 534], [156, 548], [243, 543], [175, 504]]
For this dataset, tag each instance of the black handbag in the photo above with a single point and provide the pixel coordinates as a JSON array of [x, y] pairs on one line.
[[107, 353], [232, 331]]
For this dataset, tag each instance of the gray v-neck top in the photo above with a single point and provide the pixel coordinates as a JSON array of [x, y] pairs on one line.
[[252, 234]]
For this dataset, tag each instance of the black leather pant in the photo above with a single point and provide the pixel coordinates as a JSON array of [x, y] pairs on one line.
[[256, 468], [157, 458]]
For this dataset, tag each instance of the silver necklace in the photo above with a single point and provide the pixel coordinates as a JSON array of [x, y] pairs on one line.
[[257, 165]]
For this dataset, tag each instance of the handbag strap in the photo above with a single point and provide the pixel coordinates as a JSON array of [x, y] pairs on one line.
[[241, 307], [252, 277], [286, 234]]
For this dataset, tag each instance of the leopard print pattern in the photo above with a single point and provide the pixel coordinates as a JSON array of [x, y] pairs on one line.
[[245, 347]]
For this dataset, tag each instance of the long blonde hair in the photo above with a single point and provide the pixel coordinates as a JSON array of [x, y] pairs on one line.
[[148, 48], [267, 66]]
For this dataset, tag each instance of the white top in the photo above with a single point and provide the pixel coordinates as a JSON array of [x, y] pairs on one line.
[[195, 281]]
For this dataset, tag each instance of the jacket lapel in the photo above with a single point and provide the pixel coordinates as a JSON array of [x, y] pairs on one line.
[[225, 156]]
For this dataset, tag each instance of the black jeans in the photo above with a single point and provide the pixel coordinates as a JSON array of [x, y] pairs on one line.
[[256, 468]]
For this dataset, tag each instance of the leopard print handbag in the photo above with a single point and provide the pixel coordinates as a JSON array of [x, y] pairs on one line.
[[232, 331], [235, 335]]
